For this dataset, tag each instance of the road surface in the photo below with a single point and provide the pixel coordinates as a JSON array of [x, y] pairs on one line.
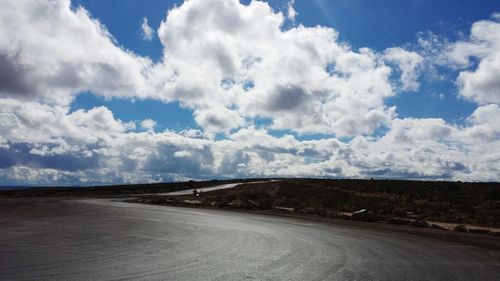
[[202, 189], [98, 239], [205, 189]]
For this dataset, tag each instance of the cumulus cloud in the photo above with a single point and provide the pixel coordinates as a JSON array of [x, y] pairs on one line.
[[147, 31], [478, 81], [48, 144], [291, 13], [50, 51], [148, 124], [302, 78], [232, 64], [218, 119], [213, 51], [410, 64], [484, 123], [430, 148]]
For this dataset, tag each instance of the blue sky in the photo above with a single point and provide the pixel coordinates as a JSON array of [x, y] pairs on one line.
[[396, 89]]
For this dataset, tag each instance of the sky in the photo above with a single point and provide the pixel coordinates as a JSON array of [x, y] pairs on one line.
[[107, 92]]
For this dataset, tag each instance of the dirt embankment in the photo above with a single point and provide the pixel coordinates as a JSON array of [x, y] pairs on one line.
[[461, 207]]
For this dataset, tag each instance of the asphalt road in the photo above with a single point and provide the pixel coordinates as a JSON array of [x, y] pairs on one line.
[[97, 239], [206, 189], [202, 189]]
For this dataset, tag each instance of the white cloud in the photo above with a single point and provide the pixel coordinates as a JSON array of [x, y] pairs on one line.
[[182, 153], [484, 125], [212, 50], [147, 31], [291, 13], [218, 119], [52, 52], [303, 79], [148, 124], [410, 64], [51, 145], [479, 81], [496, 16]]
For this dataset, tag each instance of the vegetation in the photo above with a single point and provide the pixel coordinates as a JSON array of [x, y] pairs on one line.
[[454, 202]]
